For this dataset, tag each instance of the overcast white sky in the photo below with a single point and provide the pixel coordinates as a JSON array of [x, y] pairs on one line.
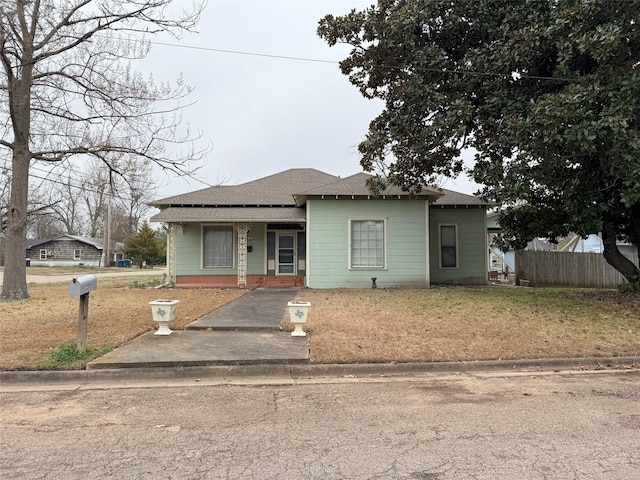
[[264, 115]]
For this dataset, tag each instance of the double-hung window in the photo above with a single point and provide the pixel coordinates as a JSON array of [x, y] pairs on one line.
[[43, 254], [77, 254], [217, 246], [448, 246], [367, 243]]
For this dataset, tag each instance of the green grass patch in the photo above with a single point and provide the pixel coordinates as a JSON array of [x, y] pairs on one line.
[[68, 356]]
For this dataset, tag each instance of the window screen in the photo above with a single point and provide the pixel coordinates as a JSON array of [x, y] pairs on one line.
[[217, 247], [448, 247]]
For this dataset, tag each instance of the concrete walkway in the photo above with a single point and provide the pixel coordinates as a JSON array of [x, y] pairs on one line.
[[243, 332], [260, 309]]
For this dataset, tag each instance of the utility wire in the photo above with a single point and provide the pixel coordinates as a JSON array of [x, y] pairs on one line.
[[79, 187], [390, 67], [74, 185], [251, 54]]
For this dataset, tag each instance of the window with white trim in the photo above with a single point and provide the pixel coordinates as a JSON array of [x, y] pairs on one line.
[[217, 246], [43, 254], [367, 243], [448, 246], [77, 254]]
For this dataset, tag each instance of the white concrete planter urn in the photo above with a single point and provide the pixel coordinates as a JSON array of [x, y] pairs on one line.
[[163, 312], [298, 313]]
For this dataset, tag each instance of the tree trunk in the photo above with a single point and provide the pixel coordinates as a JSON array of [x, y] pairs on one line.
[[616, 259], [14, 285], [635, 225]]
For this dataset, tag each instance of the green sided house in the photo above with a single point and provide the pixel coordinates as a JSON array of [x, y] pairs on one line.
[[303, 227]]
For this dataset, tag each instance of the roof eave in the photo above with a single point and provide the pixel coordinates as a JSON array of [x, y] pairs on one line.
[[235, 220]]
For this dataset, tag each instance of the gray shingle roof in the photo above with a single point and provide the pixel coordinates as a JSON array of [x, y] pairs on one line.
[[357, 185], [96, 242], [277, 189], [449, 197], [271, 198]]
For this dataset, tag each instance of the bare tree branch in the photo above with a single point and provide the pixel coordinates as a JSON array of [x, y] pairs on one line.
[[69, 92]]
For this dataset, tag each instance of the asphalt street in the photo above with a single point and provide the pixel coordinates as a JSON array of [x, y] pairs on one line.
[[116, 272], [436, 426]]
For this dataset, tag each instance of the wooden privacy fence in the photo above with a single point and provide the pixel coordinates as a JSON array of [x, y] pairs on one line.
[[568, 269]]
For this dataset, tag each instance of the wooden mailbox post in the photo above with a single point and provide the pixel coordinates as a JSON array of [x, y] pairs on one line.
[[81, 286]]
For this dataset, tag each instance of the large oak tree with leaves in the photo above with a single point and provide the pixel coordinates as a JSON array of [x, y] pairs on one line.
[[547, 93], [67, 89]]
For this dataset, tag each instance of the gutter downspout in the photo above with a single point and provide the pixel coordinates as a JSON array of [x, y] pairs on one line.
[[427, 232]]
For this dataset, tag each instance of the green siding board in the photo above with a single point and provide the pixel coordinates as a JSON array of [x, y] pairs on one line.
[[189, 252], [327, 254], [328, 249], [472, 259]]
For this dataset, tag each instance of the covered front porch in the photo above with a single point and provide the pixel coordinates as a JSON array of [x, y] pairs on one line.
[[230, 281], [236, 254]]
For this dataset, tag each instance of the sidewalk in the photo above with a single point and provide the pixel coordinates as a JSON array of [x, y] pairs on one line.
[[243, 332], [242, 340]]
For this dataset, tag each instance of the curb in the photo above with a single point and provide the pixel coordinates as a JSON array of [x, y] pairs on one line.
[[298, 371], [592, 363]]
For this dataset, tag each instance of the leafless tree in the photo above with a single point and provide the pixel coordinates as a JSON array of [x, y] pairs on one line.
[[138, 188], [95, 185], [68, 89], [43, 225], [63, 209], [42, 203]]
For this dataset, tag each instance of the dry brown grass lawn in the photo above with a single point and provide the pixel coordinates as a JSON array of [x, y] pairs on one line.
[[349, 326], [470, 324], [33, 328]]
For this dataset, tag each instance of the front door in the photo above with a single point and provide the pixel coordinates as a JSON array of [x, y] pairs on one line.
[[286, 254]]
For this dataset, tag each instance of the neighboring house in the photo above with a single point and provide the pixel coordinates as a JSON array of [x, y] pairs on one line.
[[65, 250], [303, 227], [505, 261], [593, 244], [118, 253], [499, 261]]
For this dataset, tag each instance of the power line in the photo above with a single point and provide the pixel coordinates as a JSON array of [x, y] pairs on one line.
[[390, 67], [83, 187], [240, 52], [72, 184]]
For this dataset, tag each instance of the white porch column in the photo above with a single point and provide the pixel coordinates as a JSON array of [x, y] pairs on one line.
[[171, 253], [243, 229]]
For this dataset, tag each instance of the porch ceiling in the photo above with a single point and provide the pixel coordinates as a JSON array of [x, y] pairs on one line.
[[230, 214]]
